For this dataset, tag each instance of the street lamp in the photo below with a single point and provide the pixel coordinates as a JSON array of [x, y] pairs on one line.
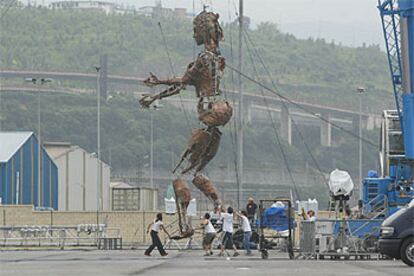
[[141, 165], [360, 91], [154, 107], [40, 81]]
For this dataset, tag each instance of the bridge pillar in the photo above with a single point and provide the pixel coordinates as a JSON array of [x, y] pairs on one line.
[[247, 107], [286, 124], [326, 131], [103, 76], [370, 123]]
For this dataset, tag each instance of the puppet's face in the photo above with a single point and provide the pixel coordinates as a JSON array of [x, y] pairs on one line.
[[199, 35]]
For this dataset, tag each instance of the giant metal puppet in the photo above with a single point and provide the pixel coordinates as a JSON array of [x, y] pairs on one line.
[[204, 74]]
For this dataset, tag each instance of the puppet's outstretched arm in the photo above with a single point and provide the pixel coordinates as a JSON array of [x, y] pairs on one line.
[[176, 85]]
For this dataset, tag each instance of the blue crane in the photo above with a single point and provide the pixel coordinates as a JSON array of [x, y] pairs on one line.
[[383, 194]]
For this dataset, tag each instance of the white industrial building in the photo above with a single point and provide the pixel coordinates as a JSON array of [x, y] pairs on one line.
[[77, 178]]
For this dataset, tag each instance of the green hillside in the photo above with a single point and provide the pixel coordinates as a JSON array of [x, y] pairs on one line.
[[311, 70]]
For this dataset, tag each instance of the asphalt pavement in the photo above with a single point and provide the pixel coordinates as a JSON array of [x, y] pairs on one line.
[[133, 262]]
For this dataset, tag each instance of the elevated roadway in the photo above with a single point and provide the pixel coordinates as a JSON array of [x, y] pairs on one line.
[[255, 107]]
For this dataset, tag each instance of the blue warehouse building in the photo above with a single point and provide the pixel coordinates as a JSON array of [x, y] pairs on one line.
[[19, 170]]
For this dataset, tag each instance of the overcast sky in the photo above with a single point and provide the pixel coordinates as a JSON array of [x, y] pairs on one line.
[[351, 22]]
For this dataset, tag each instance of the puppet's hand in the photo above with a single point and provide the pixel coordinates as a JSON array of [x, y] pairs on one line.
[[146, 101], [152, 80]]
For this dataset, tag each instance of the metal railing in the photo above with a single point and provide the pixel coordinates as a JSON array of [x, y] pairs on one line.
[[60, 236], [377, 206]]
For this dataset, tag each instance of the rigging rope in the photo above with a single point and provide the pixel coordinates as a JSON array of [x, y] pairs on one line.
[[293, 121], [173, 72], [279, 142], [320, 117], [233, 128], [7, 8]]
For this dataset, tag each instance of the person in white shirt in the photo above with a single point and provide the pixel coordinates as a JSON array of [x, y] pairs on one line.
[[156, 226], [311, 216], [209, 234], [215, 217], [247, 231], [227, 219]]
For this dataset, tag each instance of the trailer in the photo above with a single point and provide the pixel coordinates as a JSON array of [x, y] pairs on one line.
[[275, 226]]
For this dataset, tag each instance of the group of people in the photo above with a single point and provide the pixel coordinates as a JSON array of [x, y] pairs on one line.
[[218, 221], [224, 220]]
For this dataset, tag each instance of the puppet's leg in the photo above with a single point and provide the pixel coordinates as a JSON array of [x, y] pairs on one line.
[[216, 113], [182, 199], [200, 150], [210, 149], [194, 150], [207, 188]]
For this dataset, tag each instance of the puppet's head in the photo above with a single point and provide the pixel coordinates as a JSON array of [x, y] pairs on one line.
[[207, 27]]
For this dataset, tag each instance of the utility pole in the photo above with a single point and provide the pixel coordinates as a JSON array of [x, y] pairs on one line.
[[39, 152], [40, 81], [98, 140], [240, 128], [152, 151], [360, 91]]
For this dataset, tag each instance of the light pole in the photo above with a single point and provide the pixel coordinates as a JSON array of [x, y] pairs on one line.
[[240, 125], [155, 106], [141, 165], [40, 81], [360, 91], [152, 151], [98, 139]]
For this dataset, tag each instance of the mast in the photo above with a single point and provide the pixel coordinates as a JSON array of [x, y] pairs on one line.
[[240, 117]]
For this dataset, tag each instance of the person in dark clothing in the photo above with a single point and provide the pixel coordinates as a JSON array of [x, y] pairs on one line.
[[156, 226], [251, 208]]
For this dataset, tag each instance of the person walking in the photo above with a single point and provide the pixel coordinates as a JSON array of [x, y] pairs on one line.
[[156, 226], [228, 232], [247, 231], [209, 234]]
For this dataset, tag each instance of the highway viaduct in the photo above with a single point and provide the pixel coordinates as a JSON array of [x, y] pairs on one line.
[[255, 105]]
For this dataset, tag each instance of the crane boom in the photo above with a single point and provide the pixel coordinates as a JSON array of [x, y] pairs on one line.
[[398, 26]]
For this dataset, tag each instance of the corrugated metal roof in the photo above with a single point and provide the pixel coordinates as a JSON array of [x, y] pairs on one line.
[[10, 143]]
